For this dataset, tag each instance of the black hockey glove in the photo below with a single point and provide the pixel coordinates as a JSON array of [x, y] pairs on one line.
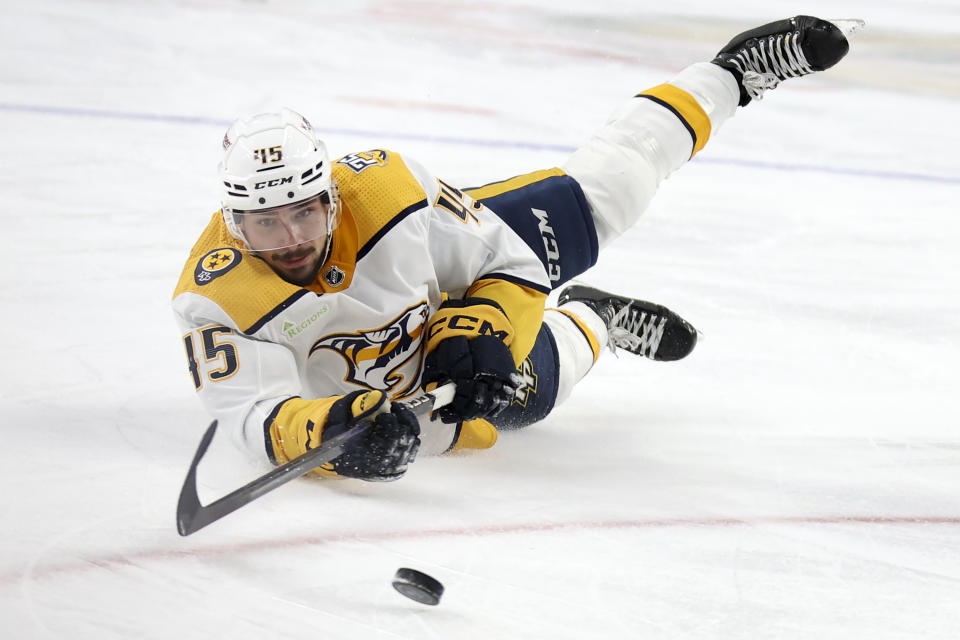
[[388, 446], [483, 371]]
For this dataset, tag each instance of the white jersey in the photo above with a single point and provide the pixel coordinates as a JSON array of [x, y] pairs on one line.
[[405, 241]]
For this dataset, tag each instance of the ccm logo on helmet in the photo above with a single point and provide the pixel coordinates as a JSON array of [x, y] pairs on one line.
[[273, 183]]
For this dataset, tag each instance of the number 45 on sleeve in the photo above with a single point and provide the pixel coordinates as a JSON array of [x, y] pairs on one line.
[[218, 353]]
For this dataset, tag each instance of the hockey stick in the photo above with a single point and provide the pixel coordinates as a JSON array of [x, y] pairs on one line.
[[193, 516]]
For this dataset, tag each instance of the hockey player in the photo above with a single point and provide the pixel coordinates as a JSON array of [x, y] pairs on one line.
[[323, 290]]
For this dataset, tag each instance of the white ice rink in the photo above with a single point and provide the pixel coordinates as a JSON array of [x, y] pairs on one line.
[[798, 476]]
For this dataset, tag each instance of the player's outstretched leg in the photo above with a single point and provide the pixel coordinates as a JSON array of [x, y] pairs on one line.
[[637, 326], [761, 58]]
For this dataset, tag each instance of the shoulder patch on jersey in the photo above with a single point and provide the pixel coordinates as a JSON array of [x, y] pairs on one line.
[[245, 287], [363, 160], [215, 264], [378, 190]]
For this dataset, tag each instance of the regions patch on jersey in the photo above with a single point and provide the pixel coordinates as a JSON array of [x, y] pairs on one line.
[[364, 160], [214, 264]]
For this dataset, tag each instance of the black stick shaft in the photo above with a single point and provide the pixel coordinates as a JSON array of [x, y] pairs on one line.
[[193, 516]]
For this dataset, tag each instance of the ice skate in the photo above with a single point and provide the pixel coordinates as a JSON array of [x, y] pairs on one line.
[[640, 327], [763, 57]]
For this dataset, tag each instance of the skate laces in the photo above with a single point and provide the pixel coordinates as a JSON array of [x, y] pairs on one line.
[[635, 330], [756, 83], [769, 61]]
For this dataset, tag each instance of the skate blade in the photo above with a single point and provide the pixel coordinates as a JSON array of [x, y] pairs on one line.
[[848, 26]]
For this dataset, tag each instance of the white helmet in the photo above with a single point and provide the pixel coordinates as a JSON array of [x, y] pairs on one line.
[[271, 161]]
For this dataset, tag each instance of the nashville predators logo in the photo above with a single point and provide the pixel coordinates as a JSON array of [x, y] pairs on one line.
[[528, 383], [374, 357], [215, 264], [364, 160]]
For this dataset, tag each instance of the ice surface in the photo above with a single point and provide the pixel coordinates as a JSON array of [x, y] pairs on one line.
[[796, 477]]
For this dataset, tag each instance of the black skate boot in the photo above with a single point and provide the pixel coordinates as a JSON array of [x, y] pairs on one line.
[[639, 327], [763, 57]]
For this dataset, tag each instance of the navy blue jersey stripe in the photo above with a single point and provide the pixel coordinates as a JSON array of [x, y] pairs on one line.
[[462, 303], [365, 249], [277, 310]]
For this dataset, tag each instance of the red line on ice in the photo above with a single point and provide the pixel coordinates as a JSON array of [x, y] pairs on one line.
[[138, 558]]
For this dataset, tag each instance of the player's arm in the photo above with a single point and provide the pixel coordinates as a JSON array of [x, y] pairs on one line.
[[482, 261], [297, 425], [254, 386], [473, 342], [496, 287]]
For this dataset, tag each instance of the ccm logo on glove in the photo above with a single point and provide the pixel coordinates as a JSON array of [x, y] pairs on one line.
[[466, 324]]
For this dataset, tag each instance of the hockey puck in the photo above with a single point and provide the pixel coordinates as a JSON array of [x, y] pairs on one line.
[[418, 586]]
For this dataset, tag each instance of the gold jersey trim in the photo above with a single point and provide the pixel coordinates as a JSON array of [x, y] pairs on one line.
[[587, 333], [246, 289], [686, 108], [517, 182], [378, 194], [523, 307]]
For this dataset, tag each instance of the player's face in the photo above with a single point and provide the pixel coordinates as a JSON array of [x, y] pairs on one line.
[[291, 239]]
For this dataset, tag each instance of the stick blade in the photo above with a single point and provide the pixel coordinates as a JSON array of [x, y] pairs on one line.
[[188, 506], [193, 516]]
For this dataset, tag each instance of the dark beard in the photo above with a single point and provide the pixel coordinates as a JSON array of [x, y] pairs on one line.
[[305, 281], [309, 279]]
